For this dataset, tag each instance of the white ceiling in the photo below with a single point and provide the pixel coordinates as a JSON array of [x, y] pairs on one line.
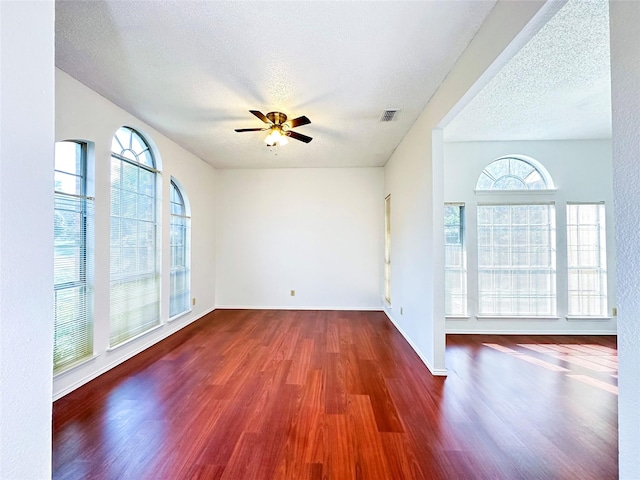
[[192, 70], [557, 87]]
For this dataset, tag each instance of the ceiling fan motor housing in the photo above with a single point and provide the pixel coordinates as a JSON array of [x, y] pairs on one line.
[[277, 118]]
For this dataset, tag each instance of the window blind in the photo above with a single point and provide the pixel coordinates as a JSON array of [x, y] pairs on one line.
[[179, 248], [587, 260], [455, 268], [73, 260], [135, 275], [516, 260]]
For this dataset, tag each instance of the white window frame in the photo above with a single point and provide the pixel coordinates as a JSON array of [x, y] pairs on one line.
[[179, 301], [502, 287], [387, 250], [73, 337], [134, 294], [579, 268], [536, 169], [459, 269]]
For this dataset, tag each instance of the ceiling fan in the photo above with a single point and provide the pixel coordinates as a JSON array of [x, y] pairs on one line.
[[279, 128]]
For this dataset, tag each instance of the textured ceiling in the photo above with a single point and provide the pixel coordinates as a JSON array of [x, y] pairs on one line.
[[557, 87], [192, 70]]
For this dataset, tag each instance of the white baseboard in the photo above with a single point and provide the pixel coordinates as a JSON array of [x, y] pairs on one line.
[[436, 372], [122, 359], [289, 307]]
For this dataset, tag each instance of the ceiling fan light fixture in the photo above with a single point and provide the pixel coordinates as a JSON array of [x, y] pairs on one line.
[[275, 138]]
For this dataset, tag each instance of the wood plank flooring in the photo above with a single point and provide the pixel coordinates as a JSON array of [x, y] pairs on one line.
[[249, 395]]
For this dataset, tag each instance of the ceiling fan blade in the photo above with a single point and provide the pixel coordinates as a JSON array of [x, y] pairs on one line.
[[298, 136], [250, 129], [260, 115], [296, 122]]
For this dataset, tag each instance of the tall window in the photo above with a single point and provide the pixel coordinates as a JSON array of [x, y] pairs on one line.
[[135, 276], [587, 260], [73, 259], [516, 260], [179, 246], [387, 249], [455, 267]]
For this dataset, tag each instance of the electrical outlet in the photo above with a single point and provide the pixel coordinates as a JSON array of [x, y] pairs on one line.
[[614, 311], [293, 293], [193, 301], [400, 310]]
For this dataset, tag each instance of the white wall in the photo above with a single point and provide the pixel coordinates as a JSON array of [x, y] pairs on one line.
[[414, 178], [581, 171], [625, 87], [82, 114], [316, 231], [26, 238]]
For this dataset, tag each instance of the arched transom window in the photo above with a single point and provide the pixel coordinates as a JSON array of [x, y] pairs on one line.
[[128, 144], [514, 173]]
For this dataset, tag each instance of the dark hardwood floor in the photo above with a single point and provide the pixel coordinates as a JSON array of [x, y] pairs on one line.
[[254, 395]]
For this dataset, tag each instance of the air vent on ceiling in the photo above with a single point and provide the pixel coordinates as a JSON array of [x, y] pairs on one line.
[[389, 115]]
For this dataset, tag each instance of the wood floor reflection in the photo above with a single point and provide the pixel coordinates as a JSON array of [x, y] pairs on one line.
[[257, 394]]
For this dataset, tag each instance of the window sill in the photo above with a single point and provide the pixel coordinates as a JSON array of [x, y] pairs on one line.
[[582, 319], [457, 317], [515, 317], [548, 191], [127, 342], [180, 315], [75, 365]]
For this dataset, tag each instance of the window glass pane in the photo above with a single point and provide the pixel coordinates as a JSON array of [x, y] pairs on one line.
[[68, 158], [516, 260], [66, 183], [129, 176], [519, 169], [145, 158], [128, 204], [116, 200], [455, 261], [135, 277], [147, 182], [179, 252], [123, 139], [145, 208], [535, 182], [511, 174], [116, 147], [484, 182], [73, 262], [499, 168], [137, 144], [387, 249], [586, 259]]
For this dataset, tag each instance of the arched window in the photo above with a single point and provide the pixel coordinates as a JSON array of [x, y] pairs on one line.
[[135, 276], [180, 254], [514, 173], [516, 242]]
